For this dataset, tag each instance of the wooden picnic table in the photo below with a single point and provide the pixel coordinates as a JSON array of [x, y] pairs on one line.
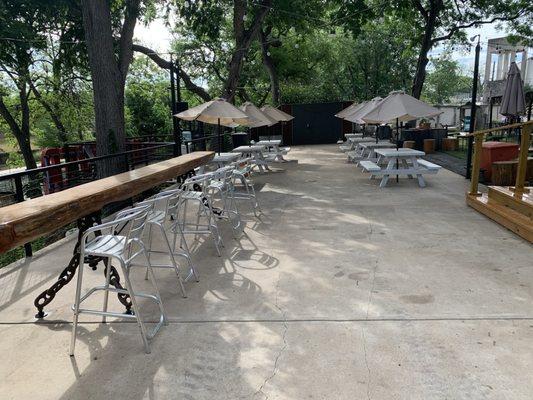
[[23, 222]]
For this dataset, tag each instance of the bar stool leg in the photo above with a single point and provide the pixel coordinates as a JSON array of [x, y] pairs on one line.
[[135, 306], [156, 289], [149, 246], [106, 291], [172, 260], [76, 305], [187, 254]]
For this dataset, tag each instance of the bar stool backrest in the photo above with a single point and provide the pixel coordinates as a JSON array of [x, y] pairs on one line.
[[135, 220], [224, 174]]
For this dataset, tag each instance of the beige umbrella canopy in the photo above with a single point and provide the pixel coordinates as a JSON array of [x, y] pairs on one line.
[[367, 106], [258, 117], [348, 110], [276, 115], [513, 101], [216, 111], [401, 107]]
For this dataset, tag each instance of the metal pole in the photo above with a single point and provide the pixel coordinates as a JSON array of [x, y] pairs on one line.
[[175, 123], [178, 90], [473, 112], [491, 105], [219, 138]]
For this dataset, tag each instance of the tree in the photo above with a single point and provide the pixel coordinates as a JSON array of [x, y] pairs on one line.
[[110, 52], [436, 21], [288, 17], [445, 80], [21, 26], [445, 20]]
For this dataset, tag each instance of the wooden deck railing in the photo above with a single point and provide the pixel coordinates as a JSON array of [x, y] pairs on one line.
[[527, 129]]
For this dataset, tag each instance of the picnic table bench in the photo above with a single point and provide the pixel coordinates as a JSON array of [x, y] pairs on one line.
[[405, 162], [26, 221]]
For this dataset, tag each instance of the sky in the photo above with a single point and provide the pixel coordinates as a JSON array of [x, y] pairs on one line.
[[158, 37]]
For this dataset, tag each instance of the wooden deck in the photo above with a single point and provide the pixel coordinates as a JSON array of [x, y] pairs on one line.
[[510, 209]]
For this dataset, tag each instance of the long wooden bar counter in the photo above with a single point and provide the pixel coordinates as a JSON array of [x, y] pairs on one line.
[[22, 222], [26, 221]]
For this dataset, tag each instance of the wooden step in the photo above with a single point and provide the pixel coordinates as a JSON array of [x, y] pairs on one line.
[[503, 195], [506, 216]]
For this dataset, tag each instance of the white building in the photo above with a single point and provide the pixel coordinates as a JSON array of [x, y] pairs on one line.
[[500, 55]]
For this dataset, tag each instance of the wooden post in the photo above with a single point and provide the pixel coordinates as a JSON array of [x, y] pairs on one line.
[[522, 158], [474, 180]]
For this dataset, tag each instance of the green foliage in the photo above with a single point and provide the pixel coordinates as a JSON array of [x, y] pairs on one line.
[[147, 100], [445, 80]]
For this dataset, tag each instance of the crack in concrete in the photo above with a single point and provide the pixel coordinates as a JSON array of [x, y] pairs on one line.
[[282, 349]]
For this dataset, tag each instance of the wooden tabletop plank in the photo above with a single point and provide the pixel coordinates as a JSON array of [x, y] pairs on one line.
[[23, 222]]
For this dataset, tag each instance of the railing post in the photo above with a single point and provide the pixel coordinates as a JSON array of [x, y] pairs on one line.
[[19, 195], [474, 182], [522, 158]]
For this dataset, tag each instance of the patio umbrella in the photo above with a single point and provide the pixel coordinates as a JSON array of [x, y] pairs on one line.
[[276, 115], [356, 114], [259, 117], [345, 111], [513, 100], [217, 112], [348, 110], [399, 106]]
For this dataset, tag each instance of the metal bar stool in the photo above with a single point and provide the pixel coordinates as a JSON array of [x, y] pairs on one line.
[[242, 172], [124, 248], [221, 191], [162, 210], [206, 222]]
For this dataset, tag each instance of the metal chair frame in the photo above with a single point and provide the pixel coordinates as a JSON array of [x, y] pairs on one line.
[[242, 172], [205, 210], [120, 248], [162, 210]]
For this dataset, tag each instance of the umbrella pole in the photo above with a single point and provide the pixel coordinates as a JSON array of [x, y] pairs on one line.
[[397, 144], [219, 137]]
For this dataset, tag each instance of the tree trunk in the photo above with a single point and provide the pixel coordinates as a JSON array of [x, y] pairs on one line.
[[243, 40], [270, 67], [108, 85], [430, 16], [23, 137]]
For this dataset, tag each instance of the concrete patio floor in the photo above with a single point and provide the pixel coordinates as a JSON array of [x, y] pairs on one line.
[[341, 290]]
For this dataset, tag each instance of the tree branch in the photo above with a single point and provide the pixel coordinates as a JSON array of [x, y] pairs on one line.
[[418, 5], [126, 36], [161, 62], [457, 28], [10, 120]]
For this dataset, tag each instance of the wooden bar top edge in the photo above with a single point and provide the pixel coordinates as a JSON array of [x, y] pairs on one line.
[[22, 222]]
